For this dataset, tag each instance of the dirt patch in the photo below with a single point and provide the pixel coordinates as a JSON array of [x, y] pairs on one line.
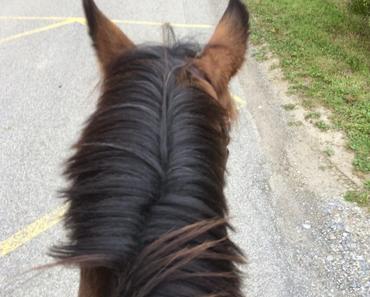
[[323, 240], [316, 122]]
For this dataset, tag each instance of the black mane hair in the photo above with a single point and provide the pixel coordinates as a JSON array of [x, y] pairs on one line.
[[146, 186]]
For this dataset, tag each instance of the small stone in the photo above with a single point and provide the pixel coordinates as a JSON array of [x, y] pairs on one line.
[[333, 247], [364, 266], [330, 258], [337, 226], [359, 257], [306, 226], [353, 246]]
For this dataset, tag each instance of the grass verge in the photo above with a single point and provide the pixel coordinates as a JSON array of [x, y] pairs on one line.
[[362, 198], [324, 53]]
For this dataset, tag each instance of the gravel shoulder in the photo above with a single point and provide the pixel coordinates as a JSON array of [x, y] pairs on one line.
[[321, 242]]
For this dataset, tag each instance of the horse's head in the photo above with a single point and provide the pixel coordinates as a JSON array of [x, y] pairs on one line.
[[147, 208], [209, 69]]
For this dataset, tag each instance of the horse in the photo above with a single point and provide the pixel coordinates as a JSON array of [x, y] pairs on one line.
[[147, 213]]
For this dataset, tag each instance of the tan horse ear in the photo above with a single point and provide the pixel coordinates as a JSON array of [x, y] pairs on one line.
[[109, 41], [224, 54]]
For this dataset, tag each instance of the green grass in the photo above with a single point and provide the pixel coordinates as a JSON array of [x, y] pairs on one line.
[[362, 198], [324, 53], [289, 106], [295, 123], [312, 115], [322, 125], [329, 152]]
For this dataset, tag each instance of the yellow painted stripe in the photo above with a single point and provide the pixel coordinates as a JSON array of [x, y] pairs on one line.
[[83, 21], [239, 101], [38, 30], [33, 18], [31, 231], [196, 26], [158, 24]]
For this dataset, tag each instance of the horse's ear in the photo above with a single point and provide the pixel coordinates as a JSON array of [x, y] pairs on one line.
[[224, 54], [109, 41]]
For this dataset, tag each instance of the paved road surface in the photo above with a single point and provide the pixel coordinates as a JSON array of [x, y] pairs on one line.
[[289, 216]]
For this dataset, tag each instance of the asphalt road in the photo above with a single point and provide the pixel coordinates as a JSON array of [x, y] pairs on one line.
[[283, 207]]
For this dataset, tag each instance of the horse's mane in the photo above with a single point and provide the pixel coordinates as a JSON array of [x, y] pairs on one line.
[[146, 182]]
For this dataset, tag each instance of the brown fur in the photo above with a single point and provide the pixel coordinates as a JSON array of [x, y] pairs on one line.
[[224, 54], [95, 282], [110, 42], [200, 250]]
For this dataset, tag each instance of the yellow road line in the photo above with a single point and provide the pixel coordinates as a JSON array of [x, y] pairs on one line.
[[33, 18], [83, 21], [38, 30], [31, 231], [158, 24], [239, 101]]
